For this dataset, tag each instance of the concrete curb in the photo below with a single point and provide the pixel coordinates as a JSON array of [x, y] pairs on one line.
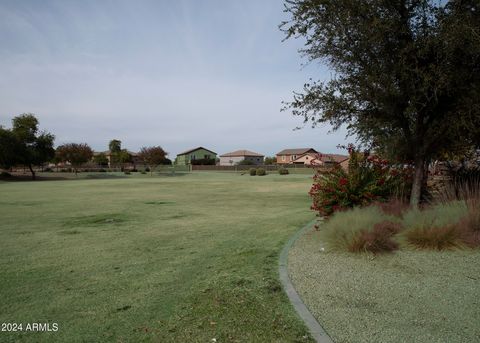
[[316, 330]]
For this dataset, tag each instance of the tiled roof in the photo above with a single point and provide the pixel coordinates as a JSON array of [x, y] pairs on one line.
[[297, 151], [325, 157]]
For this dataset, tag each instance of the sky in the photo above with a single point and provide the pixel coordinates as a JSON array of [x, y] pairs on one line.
[[178, 74]]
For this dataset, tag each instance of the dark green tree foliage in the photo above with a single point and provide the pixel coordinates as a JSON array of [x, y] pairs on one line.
[[115, 145], [406, 74], [8, 147], [118, 156], [23, 144], [152, 156], [270, 160], [101, 159], [75, 154]]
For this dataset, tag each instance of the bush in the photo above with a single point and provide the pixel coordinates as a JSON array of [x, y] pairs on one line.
[[261, 172], [283, 171], [368, 179], [143, 172], [126, 172], [134, 170], [147, 169], [252, 171], [48, 170], [101, 170]]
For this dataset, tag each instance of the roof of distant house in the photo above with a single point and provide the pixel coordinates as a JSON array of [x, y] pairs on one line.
[[198, 148], [325, 157], [297, 151], [240, 153], [334, 158]]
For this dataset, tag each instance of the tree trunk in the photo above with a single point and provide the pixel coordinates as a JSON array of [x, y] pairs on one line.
[[32, 171], [417, 181]]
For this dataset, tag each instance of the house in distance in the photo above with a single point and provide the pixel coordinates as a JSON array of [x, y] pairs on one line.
[[322, 159], [198, 155], [241, 156], [287, 156]]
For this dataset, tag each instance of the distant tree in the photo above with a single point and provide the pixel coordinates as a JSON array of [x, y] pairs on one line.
[[119, 156], [122, 157], [101, 159], [56, 160], [8, 147], [407, 74], [270, 160], [115, 146], [152, 156], [75, 154], [31, 147]]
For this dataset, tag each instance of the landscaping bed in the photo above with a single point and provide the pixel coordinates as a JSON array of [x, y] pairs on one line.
[[405, 296]]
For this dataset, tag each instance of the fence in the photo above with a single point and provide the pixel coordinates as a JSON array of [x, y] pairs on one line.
[[292, 168]]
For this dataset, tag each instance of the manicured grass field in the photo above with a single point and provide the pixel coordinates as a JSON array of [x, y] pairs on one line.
[[185, 258], [407, 296]]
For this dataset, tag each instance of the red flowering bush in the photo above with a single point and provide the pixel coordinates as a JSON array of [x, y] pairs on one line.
[[368, 179]]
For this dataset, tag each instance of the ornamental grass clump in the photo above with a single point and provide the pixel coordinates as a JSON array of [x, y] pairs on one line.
[[349, 230], [436, 227], [469, 225], [378, 240], [435, 237], [252, 171]]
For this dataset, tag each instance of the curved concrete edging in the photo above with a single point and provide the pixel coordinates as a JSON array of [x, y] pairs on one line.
[[315, 328]]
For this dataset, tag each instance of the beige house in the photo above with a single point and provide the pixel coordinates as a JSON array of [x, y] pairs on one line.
[[235, 157], [322, 159], [287, 156]]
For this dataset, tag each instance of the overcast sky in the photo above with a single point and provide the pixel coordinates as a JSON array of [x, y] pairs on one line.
[[179, 74]]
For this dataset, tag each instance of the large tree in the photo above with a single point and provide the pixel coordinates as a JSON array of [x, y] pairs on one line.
[[152, 156], [31, 147], [8, 147], [406, 74], [75, 154]]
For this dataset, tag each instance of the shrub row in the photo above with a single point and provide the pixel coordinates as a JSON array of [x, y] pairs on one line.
[[258, 172]]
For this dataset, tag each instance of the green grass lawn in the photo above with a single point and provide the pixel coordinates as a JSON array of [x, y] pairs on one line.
[[407, 296], [138, 259]]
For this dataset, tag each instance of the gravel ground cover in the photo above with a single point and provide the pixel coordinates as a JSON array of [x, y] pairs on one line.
[[408, 296]]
